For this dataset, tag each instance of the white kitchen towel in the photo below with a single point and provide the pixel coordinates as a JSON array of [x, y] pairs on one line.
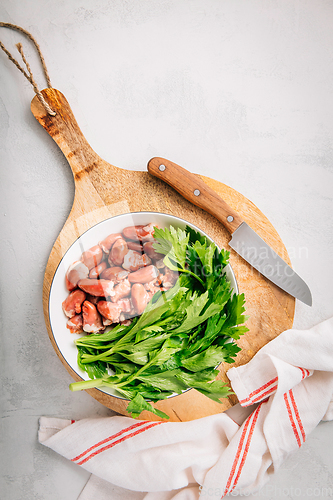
[[290, 382]]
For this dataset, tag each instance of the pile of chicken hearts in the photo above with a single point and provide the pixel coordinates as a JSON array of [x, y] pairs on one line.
[[114, 280]]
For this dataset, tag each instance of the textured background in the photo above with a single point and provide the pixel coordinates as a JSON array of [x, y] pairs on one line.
[[240, 91]]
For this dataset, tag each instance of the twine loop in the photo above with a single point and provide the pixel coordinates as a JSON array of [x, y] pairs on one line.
[[28, 74]]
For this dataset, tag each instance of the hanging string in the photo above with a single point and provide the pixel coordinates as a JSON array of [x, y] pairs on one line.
[[29, 75]]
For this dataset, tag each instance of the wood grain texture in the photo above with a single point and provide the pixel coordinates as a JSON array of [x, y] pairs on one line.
[[195, 190], [103, 190]]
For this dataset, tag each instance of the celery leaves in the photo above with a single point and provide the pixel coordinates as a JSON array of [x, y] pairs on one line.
[[181, 337]]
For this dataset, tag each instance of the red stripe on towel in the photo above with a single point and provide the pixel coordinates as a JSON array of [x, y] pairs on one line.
[[269, 392], [305, 372], [298, 418], [100, 450], [239, 449], [138, 424], [247, 446], [250, 422], [254, 393], [292, 421]]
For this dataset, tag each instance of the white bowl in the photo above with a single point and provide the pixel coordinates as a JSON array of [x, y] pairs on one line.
[[58, 293]]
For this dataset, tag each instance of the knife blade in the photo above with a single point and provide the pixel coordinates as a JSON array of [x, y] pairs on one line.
[[245, 241]]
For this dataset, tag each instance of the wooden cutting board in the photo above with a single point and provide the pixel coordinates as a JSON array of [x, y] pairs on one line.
[[103, 190]]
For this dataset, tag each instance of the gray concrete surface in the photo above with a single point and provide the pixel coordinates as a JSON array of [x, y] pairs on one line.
[[240, 91]]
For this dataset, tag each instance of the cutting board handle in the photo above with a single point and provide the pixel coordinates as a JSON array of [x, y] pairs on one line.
[[63, 128]]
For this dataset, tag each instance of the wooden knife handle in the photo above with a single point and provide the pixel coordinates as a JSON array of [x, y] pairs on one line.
[[195, 190]]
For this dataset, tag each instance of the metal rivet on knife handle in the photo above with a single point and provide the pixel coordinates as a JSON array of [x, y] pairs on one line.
[[230, 218], [194, 189]]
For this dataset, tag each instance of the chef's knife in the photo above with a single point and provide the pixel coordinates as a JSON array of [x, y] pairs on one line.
[[244, 241]]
